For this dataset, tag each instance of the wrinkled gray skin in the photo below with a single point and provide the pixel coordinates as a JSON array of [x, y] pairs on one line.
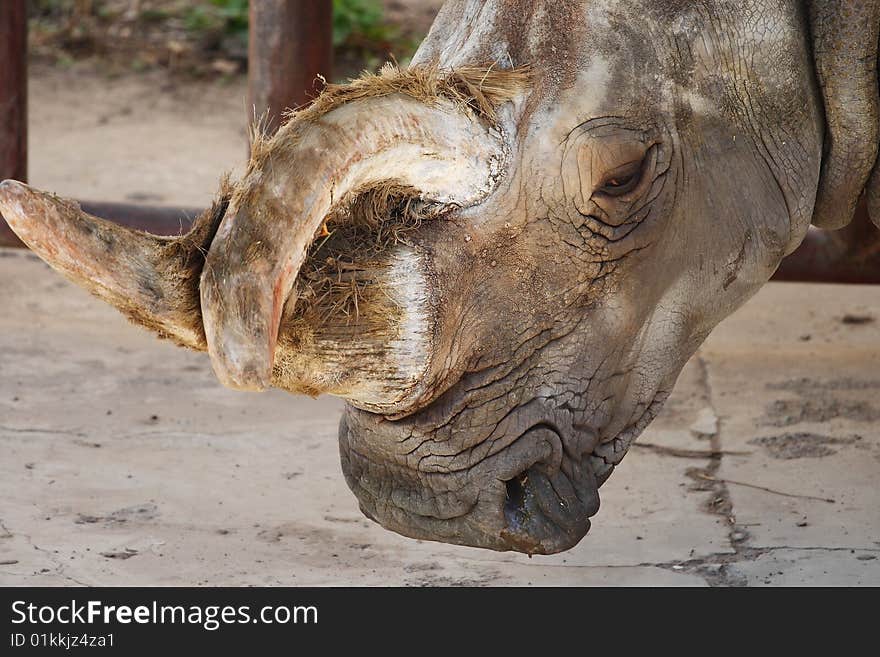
[[664, 159], [575, 310]]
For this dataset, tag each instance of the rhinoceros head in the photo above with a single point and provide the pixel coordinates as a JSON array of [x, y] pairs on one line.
[[502, 256]]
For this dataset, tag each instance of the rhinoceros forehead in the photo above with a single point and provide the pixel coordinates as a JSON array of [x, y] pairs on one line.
[[541, 33], [568, 43], [561, 38]]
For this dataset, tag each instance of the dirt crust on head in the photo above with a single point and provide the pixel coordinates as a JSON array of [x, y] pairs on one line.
[[367, 221], [481, 89]]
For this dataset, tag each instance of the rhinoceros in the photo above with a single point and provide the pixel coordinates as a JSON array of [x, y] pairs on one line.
[[503, 255]]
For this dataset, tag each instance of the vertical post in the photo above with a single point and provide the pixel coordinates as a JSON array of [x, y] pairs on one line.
[[291, 43], [13, 99]]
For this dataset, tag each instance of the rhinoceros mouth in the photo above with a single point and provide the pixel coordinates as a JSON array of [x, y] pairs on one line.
[[533, 497], [536, 495], [549, 511], [547, 505]]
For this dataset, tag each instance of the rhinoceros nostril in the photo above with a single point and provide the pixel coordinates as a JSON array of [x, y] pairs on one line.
[[547, 509], [515, 510]]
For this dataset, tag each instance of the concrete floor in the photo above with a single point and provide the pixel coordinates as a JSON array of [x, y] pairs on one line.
[[125, 463]]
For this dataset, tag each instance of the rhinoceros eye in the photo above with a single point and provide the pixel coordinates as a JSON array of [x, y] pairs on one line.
[[622, 180]]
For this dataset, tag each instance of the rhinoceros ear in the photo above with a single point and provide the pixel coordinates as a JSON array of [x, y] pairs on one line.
[[845, 37]]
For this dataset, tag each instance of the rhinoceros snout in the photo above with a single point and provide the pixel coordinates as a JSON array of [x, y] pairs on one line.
[[548, 512], [534, 496]]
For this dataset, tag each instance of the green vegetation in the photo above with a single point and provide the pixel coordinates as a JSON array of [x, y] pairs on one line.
[[197, 35], [358, 19], [229, 16], [352, 19]]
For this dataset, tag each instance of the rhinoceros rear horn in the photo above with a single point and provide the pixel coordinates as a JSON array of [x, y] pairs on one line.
[[845, 40], [153, 280]]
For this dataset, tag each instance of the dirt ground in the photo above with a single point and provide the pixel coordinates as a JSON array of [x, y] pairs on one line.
[[125, 463], [154, 137]]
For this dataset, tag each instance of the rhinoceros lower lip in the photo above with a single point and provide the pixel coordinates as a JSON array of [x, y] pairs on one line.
[[540, 514], [543, 509]]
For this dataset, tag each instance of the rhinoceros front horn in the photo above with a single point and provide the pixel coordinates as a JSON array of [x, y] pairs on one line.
[[153, 280], [223, 286]]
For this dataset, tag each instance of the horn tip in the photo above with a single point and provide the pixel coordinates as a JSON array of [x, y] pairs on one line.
[[240, 366], [246, 381], [9, 189], [13, 195]]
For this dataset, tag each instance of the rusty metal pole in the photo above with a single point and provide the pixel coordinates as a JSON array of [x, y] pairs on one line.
[[848, 255], [291, 44], [13, 99]]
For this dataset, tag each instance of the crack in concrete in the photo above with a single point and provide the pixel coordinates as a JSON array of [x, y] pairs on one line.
[[49, 432], [719, 569], [6, 533], [715, 569], [59, 569], [821, 547], [701, 566]]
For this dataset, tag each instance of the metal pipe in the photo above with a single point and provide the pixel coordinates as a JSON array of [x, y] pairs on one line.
[[13, 90], [13, 98], [848, 255], [291, 44], [152, 219]]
